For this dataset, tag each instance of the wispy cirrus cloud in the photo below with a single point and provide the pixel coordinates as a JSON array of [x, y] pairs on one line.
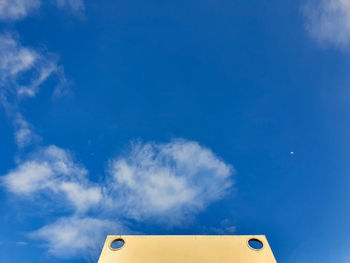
[[167, 181], [23, 70], [328, 22], [24, 131], [78, 236], [52, 170], [16, 61], [17, 9]]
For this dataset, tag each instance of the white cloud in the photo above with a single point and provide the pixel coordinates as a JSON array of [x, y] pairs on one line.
[[11, 10], [52, 170], [224, 230], [164, 180], [231, 229], [17, 9], [22, 71], [74, 236], [81, 195], [21, 243], [328, 21], [74, 5], [29, 177], [14, 58], [17, 61], [24, 132], [168, 181]]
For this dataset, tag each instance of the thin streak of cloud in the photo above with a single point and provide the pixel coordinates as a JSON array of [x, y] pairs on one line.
[[23, 70], [21, 243], [74, 5]]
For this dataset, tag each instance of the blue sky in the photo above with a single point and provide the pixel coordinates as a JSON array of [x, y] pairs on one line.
[[176, 117]]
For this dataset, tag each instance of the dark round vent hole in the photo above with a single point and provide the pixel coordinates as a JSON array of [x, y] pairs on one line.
[[117, 244], [255, 244]]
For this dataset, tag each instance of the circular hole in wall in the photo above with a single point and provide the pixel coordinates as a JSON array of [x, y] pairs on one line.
[[117, 244], [255, 244]]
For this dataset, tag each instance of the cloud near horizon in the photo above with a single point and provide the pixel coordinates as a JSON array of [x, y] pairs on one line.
[[77, 236], [170, 181], [328, 22]]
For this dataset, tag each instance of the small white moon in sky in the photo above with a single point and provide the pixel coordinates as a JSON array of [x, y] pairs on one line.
[[291, 153]]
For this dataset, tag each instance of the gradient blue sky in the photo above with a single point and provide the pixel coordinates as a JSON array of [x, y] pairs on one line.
[[175, 117]]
